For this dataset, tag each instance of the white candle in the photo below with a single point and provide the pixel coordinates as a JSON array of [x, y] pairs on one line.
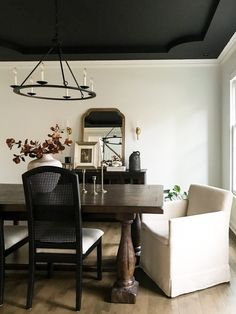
[[91, 84], [67, 92], [85, 78], [42, 71], [31, 82], [15, 76]]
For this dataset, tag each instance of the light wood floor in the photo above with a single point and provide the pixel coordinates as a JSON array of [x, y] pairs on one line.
[[57, 295]]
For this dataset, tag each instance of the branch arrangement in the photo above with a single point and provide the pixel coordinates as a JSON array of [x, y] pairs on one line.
[[36, 149]]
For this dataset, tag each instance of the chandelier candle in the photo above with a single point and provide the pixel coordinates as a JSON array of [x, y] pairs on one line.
[[15, 76], [85, 78], [42, 71]]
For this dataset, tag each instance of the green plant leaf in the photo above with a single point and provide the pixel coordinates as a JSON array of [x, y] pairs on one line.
[[176, 194], [177, 188]]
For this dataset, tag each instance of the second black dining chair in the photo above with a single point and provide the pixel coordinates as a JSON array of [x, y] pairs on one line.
[[54, 224], [11, 239]]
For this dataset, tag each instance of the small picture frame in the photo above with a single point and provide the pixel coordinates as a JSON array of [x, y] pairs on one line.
[[85, 155]]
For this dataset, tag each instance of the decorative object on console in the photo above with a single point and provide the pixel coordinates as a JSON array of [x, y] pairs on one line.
[[116, 161], [134, 161], [36, 149], [85, 154], [67, 160], [68, 164], [54, 91], [119, 168]]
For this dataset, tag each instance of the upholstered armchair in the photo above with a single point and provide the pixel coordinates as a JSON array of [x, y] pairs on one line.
[[186, 248]]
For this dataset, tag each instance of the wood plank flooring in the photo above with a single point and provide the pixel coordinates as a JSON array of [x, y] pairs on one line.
[[57, 295]]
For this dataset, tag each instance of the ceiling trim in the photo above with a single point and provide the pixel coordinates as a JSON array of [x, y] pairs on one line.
[[228, 50], [116, 63]]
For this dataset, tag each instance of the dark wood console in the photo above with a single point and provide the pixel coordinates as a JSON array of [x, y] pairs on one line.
[[114, 177]]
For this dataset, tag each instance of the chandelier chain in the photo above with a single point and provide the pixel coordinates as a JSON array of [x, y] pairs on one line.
[[56, 38]]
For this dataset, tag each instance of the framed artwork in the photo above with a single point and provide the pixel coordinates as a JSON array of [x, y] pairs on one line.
[[85, 154]]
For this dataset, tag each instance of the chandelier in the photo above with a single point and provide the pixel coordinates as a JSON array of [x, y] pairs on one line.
[[42, 89]]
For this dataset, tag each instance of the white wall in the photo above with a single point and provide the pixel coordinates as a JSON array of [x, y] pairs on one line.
[[176, 104]]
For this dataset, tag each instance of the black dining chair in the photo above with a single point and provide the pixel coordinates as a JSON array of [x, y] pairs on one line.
[[56, 235], [11, 239]]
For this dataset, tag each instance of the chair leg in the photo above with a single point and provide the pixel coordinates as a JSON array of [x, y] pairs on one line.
[[2, 262], [2, 277], [50, 269], [78, 285], [99, 260], [31, 275]]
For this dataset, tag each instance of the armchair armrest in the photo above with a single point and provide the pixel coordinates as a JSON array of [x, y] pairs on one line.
[[172, 209]]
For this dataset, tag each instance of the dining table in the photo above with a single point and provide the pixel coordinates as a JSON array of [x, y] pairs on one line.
[[123, 200]]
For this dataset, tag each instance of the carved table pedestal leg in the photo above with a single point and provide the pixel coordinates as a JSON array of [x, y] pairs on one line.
[[125, 288], [136, 236]]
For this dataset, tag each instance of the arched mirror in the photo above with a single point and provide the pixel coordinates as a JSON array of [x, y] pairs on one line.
[[107, 126]]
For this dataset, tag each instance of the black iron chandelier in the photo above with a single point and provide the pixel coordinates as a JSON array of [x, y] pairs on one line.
[[44, 90]]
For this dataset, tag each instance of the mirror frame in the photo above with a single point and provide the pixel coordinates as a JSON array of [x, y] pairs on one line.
[[122, 128]]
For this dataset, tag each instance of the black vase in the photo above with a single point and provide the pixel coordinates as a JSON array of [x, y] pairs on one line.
[[134, 161]]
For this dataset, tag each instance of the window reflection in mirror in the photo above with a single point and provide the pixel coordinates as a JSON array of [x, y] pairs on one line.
[[107, 127]]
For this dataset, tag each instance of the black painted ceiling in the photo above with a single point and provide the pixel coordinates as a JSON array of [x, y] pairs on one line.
[[117, 29]]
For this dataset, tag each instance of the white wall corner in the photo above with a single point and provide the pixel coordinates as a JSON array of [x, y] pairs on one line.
[[233, 228], [233, 216], [228, 50]]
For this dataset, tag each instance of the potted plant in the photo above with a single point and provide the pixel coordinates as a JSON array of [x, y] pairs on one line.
[[175, 194]]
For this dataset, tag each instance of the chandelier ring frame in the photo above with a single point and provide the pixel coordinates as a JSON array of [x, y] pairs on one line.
[[86, 94]]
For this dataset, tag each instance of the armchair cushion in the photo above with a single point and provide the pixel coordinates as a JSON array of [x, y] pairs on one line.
[[159, 230]]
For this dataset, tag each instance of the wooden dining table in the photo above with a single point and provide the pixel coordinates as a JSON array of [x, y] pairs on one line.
[[124, 200]]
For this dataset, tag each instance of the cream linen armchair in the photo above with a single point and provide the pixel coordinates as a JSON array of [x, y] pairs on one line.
[[186, 248]]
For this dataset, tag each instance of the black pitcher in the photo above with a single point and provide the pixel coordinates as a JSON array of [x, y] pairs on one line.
[[134, 161]]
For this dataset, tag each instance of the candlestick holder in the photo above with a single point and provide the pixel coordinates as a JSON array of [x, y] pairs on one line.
[[83, 183], [94, 185], [103, 191]]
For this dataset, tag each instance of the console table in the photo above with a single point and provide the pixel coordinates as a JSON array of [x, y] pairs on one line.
[[114, 177]]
